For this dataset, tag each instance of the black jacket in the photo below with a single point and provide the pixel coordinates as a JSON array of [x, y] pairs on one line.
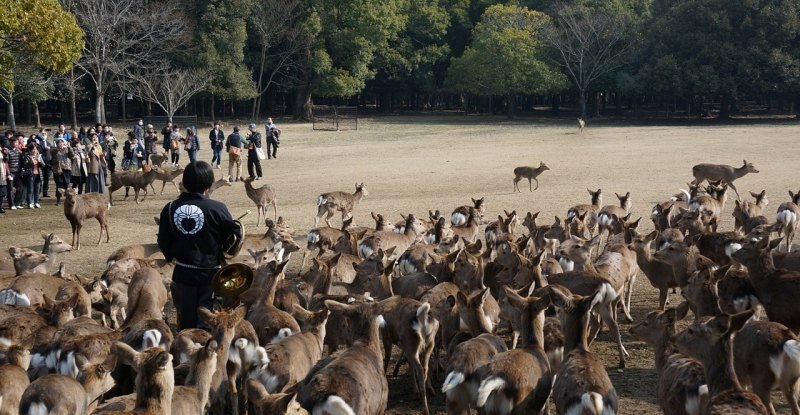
[[192, 230], [234, 140], [216, 139], [255, 140]]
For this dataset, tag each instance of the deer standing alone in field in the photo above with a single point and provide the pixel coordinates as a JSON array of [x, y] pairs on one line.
[[262, 197], [529, 173], [581, 125], [328, 203], [715, 172], [78, 208]]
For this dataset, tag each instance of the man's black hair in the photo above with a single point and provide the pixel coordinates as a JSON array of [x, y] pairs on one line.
[[198, 177]]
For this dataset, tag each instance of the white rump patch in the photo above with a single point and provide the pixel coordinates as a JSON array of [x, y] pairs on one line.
[[500, 404], [789, 359], [4, 342], [731, 248], [786, 217], [458, 219], [566, 264], [151, 338], [407, 267], [333, 405], [282, 334], [430, 238], [68, 367], [605, 219], [11, 297], [313, 236], [381, 322], [37, 408], [452, 380], [321, 200], [364, 250]]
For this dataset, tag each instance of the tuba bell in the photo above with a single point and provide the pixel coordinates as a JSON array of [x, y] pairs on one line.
[[232, 279]]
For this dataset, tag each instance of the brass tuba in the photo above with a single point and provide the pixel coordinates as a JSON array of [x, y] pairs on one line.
[[232, 279]]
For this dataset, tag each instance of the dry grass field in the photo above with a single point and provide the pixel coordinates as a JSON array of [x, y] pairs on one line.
[[412, 164]]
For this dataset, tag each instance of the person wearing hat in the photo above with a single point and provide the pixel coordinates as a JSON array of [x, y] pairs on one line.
[[217, 138], [253, 147], [150, 139], [234, 145]]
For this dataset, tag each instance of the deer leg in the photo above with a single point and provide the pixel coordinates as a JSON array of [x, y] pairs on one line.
[[163, 184], [127, 189], [514, 338], [105, 226], [761, 382], [515, 184], [662, 298], [628, 294], [74, 234], [419, 380], [78, 234], [609, 320], [175, 186], [274, 210], [790, 391], [537, 184], [734, 189], [530, 185], [426, 358], [258, 221], [387, 352], [145, 193], [151, 186]]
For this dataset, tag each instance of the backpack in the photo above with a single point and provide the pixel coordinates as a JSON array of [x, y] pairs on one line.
[[174, 144], [189, 146]]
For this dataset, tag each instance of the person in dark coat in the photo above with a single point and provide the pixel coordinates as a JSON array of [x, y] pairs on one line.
[[253, 162]]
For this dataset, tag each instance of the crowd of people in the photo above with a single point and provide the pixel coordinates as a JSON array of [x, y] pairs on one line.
[[84, 159]]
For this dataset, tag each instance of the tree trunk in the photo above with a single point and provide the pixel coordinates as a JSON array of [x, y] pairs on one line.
[[510, 101], [724, 107], [596, 107], [12, 122], [124, 115], [72, 105], [36, 116], [28, 112], [98, 108], [618, 104], [556, 103], [212, 108]]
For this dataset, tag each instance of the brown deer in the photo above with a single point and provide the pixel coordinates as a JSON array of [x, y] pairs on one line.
[[260, 402], [658, 272], [751, 209], [460, 215], [328, 203], [353, 381], [15, 378], [167, 176], [520, 380], [590, 210], [581, 125], [724, 172], [386, 240], [137, 180], [682, 388], [709, 341], [262, 197], [607, 218], [712, 204], [529, 173], [27, 261], [582, 384], [78, 208], [59, 394], [789, 217], [223, 325], [155, 380]]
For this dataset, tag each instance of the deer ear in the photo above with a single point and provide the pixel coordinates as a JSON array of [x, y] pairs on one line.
[[484, 295], [163, 359], [461, 299], [737, 321], [451, 301], [337, 306], [207, 316], [513, 297], [126, 354], [594, 241], [773, 244]]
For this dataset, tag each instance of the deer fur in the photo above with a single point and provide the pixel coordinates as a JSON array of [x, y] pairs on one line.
[[682, 388], [460, 215], [141, 251], [529, 173], [657, 272], [709, 341], [713, 203], [607, 217], [262, 197], [193, 397], [59, 394], [27, 261], [789, 217], [591, 210], [139, 180], [582, 384], [223, 325], [78, 208], [520, 380], [260, 402], [388, 239], [724, 172], [329, 203], [352, 382], [167, 176], [581, 125], [15, 379]]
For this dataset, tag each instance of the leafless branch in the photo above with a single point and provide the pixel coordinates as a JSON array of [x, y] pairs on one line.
[[169, 88]]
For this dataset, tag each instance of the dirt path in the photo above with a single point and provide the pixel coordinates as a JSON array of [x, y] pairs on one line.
[[415, 164]]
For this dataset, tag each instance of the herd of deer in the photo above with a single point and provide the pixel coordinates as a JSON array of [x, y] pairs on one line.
[[320, 342]]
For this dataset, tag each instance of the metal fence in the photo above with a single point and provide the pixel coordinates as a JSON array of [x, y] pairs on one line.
[[334, 118]]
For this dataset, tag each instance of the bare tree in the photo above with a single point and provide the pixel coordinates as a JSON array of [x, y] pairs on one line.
[[281, 39], [589, 43], [122, 36], [31, 82], [169, 88]]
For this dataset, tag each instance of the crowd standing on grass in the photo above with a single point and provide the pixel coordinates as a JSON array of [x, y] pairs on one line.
[[84, 159]]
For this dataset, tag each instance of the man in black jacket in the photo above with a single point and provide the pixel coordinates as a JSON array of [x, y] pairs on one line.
[[253, 162], [217, 138], [191, 231]]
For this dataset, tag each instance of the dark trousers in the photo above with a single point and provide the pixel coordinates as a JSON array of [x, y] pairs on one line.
[[192, 156], [272, 148], [176, 156], [188, 298], [19, 190], [78, 182], [62, 182], [217, 157], [253, 163], [3, 192], [47, 172]]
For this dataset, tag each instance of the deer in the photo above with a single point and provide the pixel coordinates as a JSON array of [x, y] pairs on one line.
[[328, 203], [223, 324], [146, 297], [529, 173], [501, 228], [607, 217], [15, 378], [143, 251], [271, 323], [78, 208], [520, 380], [591, 211], [709, 341], [724, 172], [158, 159], [59, 394], [137, 180], [749, 208], [657, 272], [352, 382], [27, 261], [714, 203], [789, 217], [775, 288], [260, 402], [289, 360], [214, 186], [460, 215], [386, 240], [582, 384], [262, 197], [682, 388], [581, 125], [469, 231], [411, 325], [167, 176]]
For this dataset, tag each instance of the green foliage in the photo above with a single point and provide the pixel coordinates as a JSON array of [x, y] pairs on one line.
[[22, 33], [720, 47], [351, 34], [506, 56], [222, 32]]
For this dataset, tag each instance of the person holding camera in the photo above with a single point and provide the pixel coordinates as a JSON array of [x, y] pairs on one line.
[[273, 139], [217, 138], [254, 153]]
